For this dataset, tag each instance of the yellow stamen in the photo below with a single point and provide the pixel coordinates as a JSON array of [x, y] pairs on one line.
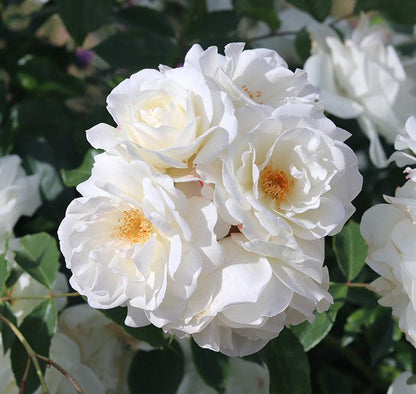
[[254, 96], [135, 228], [276, 183]]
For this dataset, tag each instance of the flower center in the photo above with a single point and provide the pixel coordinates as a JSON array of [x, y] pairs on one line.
[[276, 183], [135, 228], [254, 96]]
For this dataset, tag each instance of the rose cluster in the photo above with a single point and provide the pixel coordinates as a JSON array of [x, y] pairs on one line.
[[206, 213]]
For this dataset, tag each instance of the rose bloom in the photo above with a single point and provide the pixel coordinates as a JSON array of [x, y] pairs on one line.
[[238, 316], [389, 231], [134, 239], [362, 78], [288, 173], [255, 76], [19, 193], [174, 117]]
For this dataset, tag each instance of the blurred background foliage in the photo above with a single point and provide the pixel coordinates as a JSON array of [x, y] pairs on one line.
[[59, 59]]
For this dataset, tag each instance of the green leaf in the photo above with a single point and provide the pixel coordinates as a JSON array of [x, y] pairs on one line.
[[38, 255], [403, 12], [319, 9], [135, 52], [377, 325], [350, 250], [150, 334], [158, 371], [7, 334], [38, 328], [83, 16], [145, 18], [213, 367], [303, 45], [310, 334], [5, 268], [263, 10], [288, 365], [74, 177]]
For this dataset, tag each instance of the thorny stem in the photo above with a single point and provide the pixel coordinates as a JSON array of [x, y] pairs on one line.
[[46, 297], [341, 18], [24, 378], [63, 371], [31, 353], [274, 33], [33, 357]]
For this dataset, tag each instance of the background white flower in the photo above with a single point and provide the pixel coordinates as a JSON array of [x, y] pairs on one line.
[[105, 347], [400, 386], [66, 353], [389, 231], [19, 193], [362, 78], [405, 145]]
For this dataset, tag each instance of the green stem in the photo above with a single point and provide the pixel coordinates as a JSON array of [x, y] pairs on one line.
[[46, 297], [29, 350], [354, 284]]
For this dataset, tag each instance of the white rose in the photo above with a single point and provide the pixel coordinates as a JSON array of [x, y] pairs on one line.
[[64, 352], [19, 193], [400, 386], [255, 76], [105, 347], [173, 118], [289, 172], [362, 78], [242, 315], [135, 239], [390, 231]]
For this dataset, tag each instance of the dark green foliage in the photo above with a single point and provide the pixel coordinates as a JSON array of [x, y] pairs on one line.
[[157, 371]]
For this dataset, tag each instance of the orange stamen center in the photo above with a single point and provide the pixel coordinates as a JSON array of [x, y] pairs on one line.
[[276, 183], [135, 228]]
